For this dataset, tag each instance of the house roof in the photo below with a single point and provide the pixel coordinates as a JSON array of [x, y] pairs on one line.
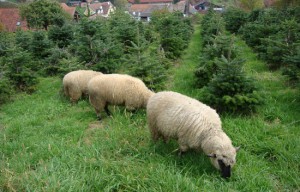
[[104, 6], [149, 1], [69, 10], [11, 19], [146, 9], [98, 9]]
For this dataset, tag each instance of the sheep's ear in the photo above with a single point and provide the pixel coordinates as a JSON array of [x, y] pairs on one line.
[[237, 148], [212, 155]]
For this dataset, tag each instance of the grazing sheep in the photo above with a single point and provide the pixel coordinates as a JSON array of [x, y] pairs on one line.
[[75, 83], [195, 126], [117, 89]]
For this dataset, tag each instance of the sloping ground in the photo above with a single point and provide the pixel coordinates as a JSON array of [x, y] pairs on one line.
[[47, 144]]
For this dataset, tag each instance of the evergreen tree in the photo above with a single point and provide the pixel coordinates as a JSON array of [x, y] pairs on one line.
[[231, 90], [40, 14], [20, 65], [40, 45]]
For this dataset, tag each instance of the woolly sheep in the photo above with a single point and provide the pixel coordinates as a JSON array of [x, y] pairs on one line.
[[117, 89], [195, 126], [75, 83]]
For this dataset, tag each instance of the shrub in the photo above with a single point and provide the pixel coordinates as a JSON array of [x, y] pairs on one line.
[[234, 18], [148, 63], [5, 87], [69, 64], [55, 64], [282, 44], [212, 25], [221, 46], [231, 90], [20, 65], [23, 39], [40, 45], [97, 46], [292, 69], [61, 36], [174, 30]]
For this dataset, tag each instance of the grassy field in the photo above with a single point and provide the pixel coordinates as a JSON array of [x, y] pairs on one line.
[[47, 144]]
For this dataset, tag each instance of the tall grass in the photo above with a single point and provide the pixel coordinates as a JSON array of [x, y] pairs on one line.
[[47, 144]]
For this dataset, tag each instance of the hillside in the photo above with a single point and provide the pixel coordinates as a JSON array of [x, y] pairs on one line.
[[47, 144]]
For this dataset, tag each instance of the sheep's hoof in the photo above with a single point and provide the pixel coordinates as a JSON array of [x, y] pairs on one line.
[[180, 153]]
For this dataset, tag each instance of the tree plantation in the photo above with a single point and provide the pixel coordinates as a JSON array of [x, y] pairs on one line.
[[244, 63]]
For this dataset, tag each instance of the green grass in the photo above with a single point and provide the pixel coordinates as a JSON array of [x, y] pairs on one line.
[[47, 144]]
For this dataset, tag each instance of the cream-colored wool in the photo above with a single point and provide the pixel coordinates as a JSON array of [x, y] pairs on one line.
[[118, 89], [75, 83], [194, 124]]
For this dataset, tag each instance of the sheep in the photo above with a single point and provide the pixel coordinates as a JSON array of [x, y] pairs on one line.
[[117, 89], [75, 83], [194, 125]]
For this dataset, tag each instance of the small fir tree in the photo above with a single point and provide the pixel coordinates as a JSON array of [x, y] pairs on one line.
[[20, 65], [231, 90]]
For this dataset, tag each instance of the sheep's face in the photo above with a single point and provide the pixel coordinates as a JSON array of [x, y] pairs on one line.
[[224, 160]]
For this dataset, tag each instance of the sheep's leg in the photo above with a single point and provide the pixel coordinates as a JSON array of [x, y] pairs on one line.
[[182, 149], [155, 135], [98, 114], [107, 111], [165, 139]]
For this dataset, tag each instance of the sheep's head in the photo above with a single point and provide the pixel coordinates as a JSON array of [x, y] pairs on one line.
[[224, 160]]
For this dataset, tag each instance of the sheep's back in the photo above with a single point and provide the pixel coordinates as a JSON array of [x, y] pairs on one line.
[[176, 115], [118, 88], [79, 78]]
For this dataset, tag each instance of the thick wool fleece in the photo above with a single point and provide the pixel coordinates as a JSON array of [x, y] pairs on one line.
[[118, 89], [75, 83], [194, 124]]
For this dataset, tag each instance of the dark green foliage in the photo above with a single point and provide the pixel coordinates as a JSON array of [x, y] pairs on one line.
[[292, 69], [67, 65], [231, 90], [40, 45], [275, 35], [212, 25], [282, 44], [96, 46], [20, 65], [234, 18], [225, 86], [23, 39], [205, 72], [6, 43], [40, 14], [55, 64], [148, 63], [175, 32], [262, 24], [5, 88], [61, 36], [221, 46], [124, 28]]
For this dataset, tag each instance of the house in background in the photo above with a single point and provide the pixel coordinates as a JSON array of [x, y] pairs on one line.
[[143, 11], [71, 11], [96, 9], [204, 5], [11, 20], [150, 1]]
